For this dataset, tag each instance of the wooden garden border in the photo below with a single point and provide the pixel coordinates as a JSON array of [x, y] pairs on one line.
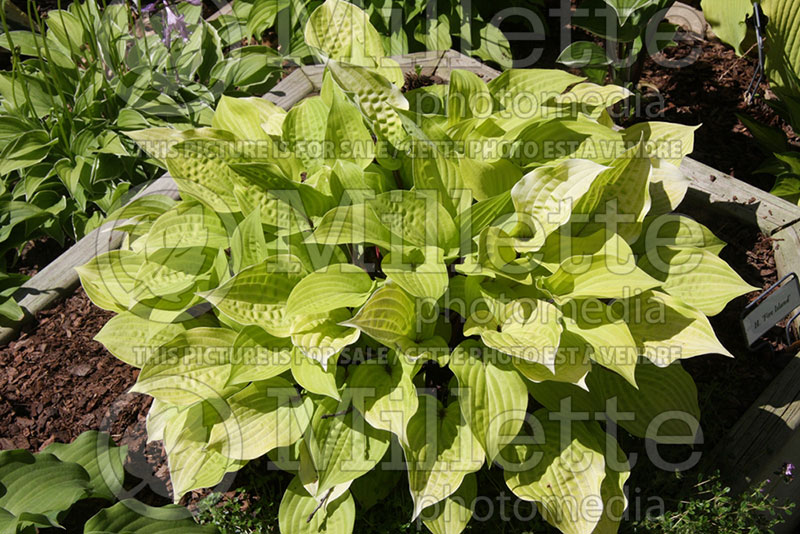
[[760, 442]]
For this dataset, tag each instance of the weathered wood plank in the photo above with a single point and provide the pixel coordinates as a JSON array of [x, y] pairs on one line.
[[59, 278], [740, 200]]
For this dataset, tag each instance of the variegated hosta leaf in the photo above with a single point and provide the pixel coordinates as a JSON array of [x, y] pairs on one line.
[[257, 296], [440, 453], [337, 286], [384, 393], [492, 396], [697, 277], [341, 444], [563, 476], [666, 329], [451, 515], [263, 416], [300, 513]]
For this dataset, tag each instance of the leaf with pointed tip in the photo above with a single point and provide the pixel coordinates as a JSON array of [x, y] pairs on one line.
[[109, 278], [133, 517], [451, 515], [259, 356], [440, 453], [666, 329], [598, 276], [313, 377], [249, 119], [519, 87], [426, 280], [697, 277], [248, 246], [467, 97], [677, 231], [263, 416], [492, 396], [385, 394], [322, 336], [300, 513], [389, 315]]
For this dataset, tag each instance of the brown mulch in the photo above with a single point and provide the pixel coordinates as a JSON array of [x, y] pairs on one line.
[[56, 382], [709, 92], [415, 81]]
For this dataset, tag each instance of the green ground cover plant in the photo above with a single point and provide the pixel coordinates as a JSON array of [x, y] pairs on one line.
[[377, 282]]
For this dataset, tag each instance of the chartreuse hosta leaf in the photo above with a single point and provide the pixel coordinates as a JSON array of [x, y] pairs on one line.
[[263, 416], [300, 295], [492, 396], [384, 393], [697, 277], [441, 452], [300, 513], [563, 473]]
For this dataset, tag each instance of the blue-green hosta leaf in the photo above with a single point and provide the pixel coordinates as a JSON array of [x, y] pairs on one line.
[[388, 316], [249, 119], [263, 416], [313, 377], [378, 99], [341, 444], [322, 336], [341, 285], [467, 97], [666, 329], [697, 277], [440, 453], [526, 330], [385, 394], [300, 513], [426, 279], [516, 89], [563, 478], [96, 453], [547, 195], [451, 515], [192, 464], [194, 366], [134, 517], [608, 337], [109, 279], [492, 396], [626, 8], [257, 296], [37, 489], [582, 54]]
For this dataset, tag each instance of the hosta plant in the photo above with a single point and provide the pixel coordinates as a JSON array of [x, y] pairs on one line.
[[425, 282]]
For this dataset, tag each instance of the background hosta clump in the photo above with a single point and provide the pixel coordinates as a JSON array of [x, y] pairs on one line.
[[355, 286]]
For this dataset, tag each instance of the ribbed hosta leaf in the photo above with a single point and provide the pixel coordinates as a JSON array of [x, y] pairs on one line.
[[441, 451], [109, 278], [389, 315], [338, 286], [697, 277], [263, 416], [259, 355], [384, 393], [322, 336], [492, 396], [133, 517], [300, 513], [451, 515]]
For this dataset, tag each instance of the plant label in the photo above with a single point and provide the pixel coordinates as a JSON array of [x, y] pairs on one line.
[[773, 305]]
